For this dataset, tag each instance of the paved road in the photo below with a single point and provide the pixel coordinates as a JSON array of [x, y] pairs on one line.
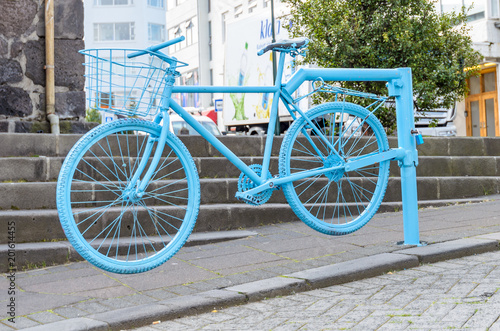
[[454, 294]]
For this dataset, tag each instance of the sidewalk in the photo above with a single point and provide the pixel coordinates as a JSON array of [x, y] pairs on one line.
[[200, 278]]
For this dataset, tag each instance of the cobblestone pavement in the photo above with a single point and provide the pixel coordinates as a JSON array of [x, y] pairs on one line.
[[455, 294]]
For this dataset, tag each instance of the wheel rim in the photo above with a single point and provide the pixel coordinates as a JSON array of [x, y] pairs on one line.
[[338, 201], [113, 221]]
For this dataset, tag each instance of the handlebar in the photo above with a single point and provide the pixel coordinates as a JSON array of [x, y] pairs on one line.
[[156, 47]]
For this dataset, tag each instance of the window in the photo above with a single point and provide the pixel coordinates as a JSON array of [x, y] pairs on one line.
[[252, 5], [224, 19], [156, 32], [113, 2], [157, 3], [189, 33], [265, 3], [210, 40], [494, 8], [189, 99], [238, 10], [186, 29], [105, 100], [211, 83], [175, 32], [114, 31], [178, 32], [171, 4], [476, 8]]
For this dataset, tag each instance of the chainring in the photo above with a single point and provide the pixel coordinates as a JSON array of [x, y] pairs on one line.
[[245, 184]]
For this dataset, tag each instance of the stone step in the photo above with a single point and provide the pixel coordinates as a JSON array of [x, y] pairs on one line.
[[441, 166], [44, 225], [46, 169], [18, 145], [33, 145], [27, 196], [39, 240]]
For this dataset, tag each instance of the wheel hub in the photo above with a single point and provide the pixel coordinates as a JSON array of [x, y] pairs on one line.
[[334, 161], [132, 196]]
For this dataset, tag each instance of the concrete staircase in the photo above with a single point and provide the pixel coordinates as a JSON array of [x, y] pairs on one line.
[[450, 170]]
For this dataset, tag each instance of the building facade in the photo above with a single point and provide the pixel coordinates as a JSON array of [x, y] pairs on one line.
[[204, 24], [478, 114], [122, 24]]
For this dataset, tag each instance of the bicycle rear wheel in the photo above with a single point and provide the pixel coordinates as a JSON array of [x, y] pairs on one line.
[[104, 218], [337, 202]]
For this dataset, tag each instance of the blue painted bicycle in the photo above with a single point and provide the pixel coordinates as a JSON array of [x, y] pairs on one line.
[[128, 192]]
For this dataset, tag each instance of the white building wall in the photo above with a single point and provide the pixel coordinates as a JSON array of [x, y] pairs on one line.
[[179, 17], [213, 16], [137, 11]]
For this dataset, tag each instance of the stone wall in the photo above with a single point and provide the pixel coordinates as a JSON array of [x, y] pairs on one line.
[[22, 60]]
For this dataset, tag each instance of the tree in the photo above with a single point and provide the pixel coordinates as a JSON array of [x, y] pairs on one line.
[[92, 115], [390, 34]]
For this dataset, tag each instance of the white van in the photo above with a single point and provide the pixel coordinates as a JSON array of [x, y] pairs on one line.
[[179, 127]]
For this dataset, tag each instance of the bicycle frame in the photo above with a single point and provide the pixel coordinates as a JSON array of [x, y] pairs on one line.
[[399, 85]]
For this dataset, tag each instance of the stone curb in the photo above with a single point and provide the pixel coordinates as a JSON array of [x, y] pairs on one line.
[[451, 249], [361, 268], [268, 288], [339, 273]]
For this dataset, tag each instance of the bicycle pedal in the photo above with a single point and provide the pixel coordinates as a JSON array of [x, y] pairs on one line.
[[250, 199], [254, 200]]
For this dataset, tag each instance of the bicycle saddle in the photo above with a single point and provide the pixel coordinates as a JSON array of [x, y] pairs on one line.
[[285, 45]]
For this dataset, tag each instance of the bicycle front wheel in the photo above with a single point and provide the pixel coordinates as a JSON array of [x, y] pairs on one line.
[[105, 219], [336, 202]]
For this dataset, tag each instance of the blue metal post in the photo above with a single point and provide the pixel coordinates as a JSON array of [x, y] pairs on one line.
[[403, 91]]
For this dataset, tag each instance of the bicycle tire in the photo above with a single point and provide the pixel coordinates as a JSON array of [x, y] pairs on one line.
[[108, 225], [338, 202]]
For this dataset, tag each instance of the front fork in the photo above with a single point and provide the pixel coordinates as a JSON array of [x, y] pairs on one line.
[[136, 186]]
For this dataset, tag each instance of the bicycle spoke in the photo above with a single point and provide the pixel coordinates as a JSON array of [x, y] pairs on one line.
[[111, 224], [336, 201], [166, 201], [109, 219], [156, 224]]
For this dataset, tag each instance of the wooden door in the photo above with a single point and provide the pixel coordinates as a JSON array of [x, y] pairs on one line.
[[482, 105]]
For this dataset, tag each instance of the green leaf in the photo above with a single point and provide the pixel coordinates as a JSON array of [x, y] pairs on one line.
[[390, 34]]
